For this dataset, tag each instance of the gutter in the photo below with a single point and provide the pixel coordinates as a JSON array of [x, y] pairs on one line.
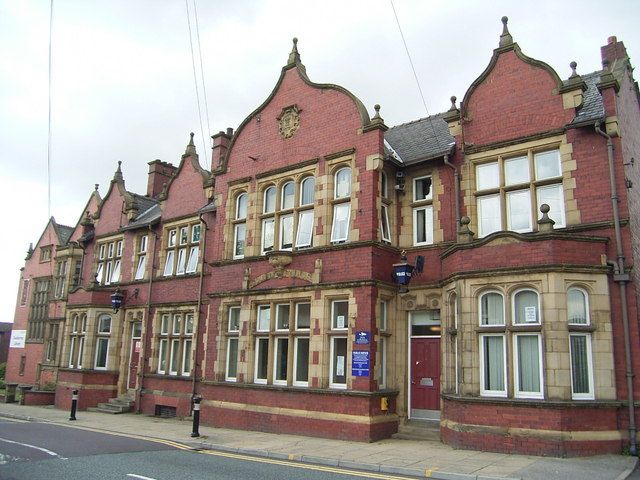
[[621, 278]]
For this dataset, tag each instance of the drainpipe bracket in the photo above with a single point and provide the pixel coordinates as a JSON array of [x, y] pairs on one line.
[[622, 277]]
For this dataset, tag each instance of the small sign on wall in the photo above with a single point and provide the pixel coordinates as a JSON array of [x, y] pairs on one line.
[[360, 363], [363, 338], [18, 338]]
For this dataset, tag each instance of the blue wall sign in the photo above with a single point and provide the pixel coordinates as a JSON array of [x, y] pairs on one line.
[[360, 363], [363, 338]]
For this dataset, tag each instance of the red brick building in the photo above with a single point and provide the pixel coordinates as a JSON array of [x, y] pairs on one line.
[[264, 281]]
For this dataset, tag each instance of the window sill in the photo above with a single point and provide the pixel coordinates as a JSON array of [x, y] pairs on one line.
[[581, 328]]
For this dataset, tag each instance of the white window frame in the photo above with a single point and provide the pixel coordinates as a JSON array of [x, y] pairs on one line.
[[334, 317], [336, 236], [300, 383], [227, 375], [385, 229], [304, 238], [277, 345], [586, 306], [513, 307], [590, 395], [504, 316], [333, 367], [415, 189], [516, 368], [493, 393], [257, 350], [428, 222], [264, 248], [102, 337]]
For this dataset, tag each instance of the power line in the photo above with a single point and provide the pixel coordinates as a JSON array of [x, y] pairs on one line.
[[49, 119], [195, 76], [204, 88], [415, 75]]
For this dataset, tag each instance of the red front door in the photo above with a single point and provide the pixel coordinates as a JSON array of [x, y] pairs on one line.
[[425, 374]]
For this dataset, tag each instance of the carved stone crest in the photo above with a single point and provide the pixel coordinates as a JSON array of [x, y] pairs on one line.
[[289, 121]]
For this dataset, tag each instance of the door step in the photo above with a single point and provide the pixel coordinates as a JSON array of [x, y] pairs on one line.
[[419, 430], [121, 404]]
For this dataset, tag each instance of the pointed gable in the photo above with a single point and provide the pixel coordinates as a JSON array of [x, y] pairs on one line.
[[285, 129], [189, 188], [516, 96]]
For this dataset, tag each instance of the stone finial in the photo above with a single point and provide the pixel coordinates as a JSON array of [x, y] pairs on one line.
[[294, 56], [573, 66], [545, 224], [95, 186], [191, 148], [377, 116], [505, 38], [29, 251], [118, 175], [453, 104], [465, 235]]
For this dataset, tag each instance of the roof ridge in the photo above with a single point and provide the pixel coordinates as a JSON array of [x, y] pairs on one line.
[[429, 117]]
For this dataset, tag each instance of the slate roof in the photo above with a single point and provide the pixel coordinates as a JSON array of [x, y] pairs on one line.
[[64, 233], [592, 108], [147, 217], [144, 203], [420, 140]]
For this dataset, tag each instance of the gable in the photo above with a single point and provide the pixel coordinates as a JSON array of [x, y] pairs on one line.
[[515, 97]]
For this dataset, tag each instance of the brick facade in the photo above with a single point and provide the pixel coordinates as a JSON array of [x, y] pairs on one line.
[[263, 281]]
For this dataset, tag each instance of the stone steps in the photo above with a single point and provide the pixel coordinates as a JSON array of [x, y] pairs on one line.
[[419, 430], [122, 404]]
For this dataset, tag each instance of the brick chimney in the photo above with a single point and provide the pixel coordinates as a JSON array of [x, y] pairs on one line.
[[612, 51], [221, 141], [159, 173]]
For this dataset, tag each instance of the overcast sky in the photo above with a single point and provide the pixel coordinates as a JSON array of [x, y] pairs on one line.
[[123, 82]]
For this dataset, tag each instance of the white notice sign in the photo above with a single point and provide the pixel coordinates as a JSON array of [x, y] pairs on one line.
[[17, 338], [530, 315], [340, 366]]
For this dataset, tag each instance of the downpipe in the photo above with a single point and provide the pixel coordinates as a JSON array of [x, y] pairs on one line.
[[621, 278]]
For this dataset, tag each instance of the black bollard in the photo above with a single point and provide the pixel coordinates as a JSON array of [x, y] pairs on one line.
[[196, 416], [74, 404]]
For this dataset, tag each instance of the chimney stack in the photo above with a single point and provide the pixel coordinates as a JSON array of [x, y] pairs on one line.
[[221, 141], [612, 51], [159, 174]]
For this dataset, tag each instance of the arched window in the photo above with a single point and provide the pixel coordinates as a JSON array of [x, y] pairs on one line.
[[241, 206], [307, 189], [491, 309], [341, 209], [343, 183], [269, 200], [288, 193], [577, 306], [239, 228], [525, 307]]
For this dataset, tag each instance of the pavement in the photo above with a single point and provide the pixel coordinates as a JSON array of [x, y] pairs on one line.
[[426, 459]]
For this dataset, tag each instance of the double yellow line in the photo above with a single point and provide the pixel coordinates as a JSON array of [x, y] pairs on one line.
[[305, 466]]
